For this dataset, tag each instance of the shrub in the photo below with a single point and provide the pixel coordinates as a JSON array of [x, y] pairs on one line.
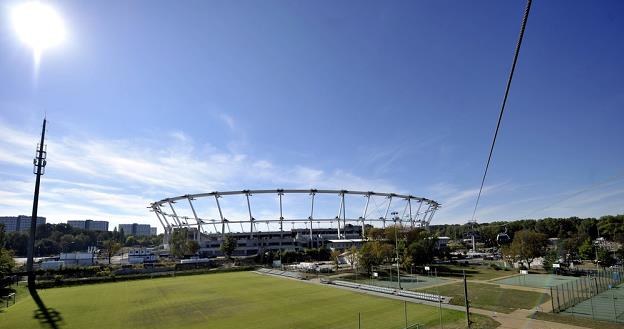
[[495, 267]]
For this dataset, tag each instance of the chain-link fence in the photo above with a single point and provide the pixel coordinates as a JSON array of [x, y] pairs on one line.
[[598, 295]]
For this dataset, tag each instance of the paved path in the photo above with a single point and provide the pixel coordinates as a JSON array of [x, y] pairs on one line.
[[521, 319]]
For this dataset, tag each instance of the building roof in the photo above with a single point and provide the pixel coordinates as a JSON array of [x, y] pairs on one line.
[[346, 240]]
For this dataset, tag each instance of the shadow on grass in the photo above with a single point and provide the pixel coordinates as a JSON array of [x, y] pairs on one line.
[[47, 317]]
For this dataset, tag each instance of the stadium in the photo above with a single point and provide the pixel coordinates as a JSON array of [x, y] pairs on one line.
[[281, 219]]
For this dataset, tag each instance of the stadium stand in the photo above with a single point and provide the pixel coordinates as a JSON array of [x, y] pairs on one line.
[[289, 274], [403, 293]]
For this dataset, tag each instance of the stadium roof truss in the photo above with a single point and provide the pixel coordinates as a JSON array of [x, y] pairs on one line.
[[415, 211]]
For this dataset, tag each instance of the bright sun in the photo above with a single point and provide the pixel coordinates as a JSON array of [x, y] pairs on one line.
[[38, 25]]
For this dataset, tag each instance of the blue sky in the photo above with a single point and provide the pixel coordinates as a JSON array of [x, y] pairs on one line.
[[151, 99]]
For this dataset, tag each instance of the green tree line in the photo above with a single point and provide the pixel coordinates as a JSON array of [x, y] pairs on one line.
[[51, 239]]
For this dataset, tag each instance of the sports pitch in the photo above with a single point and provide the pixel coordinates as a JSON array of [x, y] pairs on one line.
[[230, 300], [606, 306], [536, 280]]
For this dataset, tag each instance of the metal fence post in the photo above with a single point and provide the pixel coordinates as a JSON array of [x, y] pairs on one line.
[[405, 312], [614, 308], [552, 301], [558, 303], [359, 321], [576, 291], [591, 303], [565, 292]]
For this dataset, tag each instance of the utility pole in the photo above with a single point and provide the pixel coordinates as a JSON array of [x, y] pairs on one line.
[[466, 301], [38, 170]]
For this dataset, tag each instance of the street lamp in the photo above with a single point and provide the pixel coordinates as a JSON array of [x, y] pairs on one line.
[[395, 217]]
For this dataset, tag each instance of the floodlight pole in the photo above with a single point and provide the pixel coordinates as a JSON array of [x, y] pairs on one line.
[[364, 216], [396, 247], [39, 162]]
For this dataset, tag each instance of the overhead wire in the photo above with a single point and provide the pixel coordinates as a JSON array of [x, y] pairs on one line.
[[502, 110]]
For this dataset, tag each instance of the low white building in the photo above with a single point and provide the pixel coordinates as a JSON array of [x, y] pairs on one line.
[[343, 244], [442, 242], [52, 265], [72, 259], [142, 255]]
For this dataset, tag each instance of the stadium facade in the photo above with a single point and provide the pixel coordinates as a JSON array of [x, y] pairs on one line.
[[292, 240], [215, 215]]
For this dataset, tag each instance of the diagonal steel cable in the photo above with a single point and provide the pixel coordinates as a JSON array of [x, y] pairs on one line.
[[502, 110]]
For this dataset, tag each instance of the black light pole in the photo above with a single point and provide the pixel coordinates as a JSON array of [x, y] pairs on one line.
[[39, 165], [38, 170], [396, 247]]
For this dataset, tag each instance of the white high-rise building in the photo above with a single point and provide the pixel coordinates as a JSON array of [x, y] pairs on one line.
[[89, 225], [19, 223], [136, 229]]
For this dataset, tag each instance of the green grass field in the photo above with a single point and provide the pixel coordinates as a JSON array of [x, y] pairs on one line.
[[537, 280], [407, 282], [491, 297], [230, 300], [473, 272]]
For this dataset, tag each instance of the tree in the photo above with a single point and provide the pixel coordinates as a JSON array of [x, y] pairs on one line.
[[6, 262], [179, 242], [324, 254], [18, 242], [407, 261], [311, 254], [586, 250], [122, 235], [612, 227], [373, 253], [508, 255], [44, 231], [2, 236], [391, 232], [352, 257], [131, 241], [228, 246], [374, 233], [67, 243], [552, 257], [192, 247], [112, 247], [335, 256], [604, 257], [47, 247], [528, 245], [422, 250], [620, 254]]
